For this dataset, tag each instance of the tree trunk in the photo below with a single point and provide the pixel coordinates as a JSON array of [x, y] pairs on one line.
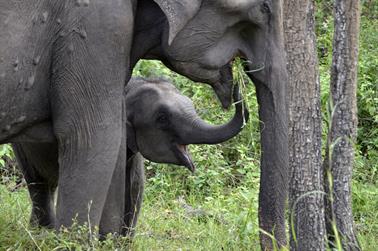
[[342, 134], [307, 224]]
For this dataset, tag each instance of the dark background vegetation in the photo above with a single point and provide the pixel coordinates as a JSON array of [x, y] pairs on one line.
[[216, 207]]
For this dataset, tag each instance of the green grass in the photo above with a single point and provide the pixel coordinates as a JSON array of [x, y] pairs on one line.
[[229, 224], [230, 221], [365, 208]]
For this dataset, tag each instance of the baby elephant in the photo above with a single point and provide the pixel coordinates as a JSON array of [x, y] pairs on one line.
[[160, 124]]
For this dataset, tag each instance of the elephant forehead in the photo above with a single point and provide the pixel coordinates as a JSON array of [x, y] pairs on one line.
[[141, 93], [236, 4], [167, 94], [174, 99], [165, 87], [149, 97]]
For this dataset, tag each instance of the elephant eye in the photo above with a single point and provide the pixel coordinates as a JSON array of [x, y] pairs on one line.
[[162, 119]]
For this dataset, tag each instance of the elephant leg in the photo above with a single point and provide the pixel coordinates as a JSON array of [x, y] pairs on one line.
[[89, 135], [42, 196], [134, 193], [88, 76], [112, 215], [87, 159], [274, 163], [41, 190]]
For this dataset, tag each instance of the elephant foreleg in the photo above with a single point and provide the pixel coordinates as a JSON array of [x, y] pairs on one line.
[[88, 77], [113, 212], [134, 193], [33, 159]]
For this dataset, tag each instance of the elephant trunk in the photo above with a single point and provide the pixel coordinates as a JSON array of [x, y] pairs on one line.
[[200, 132]]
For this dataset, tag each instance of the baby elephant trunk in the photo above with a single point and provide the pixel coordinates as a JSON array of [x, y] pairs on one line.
[[201, 132]]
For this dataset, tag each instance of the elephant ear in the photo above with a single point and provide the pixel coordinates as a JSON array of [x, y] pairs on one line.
[[131, 137], [178, 13]]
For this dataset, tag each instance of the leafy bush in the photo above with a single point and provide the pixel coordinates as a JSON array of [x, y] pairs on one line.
[[5, 152]]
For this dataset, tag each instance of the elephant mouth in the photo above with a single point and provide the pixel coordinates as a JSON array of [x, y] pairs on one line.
[[184, 157], [223, 88]]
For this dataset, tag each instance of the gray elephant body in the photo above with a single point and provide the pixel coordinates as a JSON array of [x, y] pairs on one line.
[[67, 62], [160, 123], [84, 47]]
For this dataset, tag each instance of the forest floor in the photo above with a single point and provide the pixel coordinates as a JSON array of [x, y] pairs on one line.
[[171, 220]]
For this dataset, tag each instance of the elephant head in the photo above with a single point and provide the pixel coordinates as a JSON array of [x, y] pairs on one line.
[[161, 122], [200, 38]]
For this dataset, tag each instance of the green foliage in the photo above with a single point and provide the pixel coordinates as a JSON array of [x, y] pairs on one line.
[[368, 89], [5, 152], [365, 204]]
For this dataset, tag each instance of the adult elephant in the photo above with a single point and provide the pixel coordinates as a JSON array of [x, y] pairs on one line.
[[67, 60], [199, 38]]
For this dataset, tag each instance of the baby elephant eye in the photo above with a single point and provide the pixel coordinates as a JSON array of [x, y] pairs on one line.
[[162, 119]]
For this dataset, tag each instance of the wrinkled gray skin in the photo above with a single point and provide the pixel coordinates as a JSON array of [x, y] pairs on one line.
[[67, 61], [160, 124], [86, 65]]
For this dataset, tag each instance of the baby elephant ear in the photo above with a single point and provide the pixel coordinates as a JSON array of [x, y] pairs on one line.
[[178, 13], [131, 137]]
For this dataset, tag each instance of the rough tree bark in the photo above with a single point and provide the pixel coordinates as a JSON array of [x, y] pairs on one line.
[[342, 134], [306, 181]]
